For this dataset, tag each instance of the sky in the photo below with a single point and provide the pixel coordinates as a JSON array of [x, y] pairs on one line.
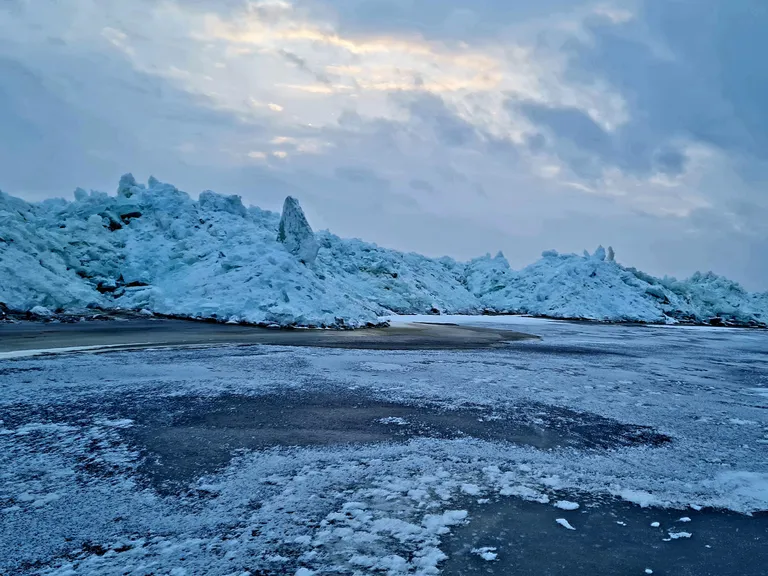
[[445, 127]]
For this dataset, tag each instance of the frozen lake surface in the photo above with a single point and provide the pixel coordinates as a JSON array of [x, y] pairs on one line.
[[551, 456]]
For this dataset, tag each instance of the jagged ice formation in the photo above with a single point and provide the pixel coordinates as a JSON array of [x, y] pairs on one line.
[[154, 248]]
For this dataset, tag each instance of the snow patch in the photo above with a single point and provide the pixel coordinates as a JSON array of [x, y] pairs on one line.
[[751, 487], [382, 367], [471, 489], [640, 497], [396, 420]]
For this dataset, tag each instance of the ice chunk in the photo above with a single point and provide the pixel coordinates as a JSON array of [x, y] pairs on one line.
[[487, 553], [216, 202], [565, 524], [599, 254], [128, 186], [41, 311], [566, 505], [296, 233]]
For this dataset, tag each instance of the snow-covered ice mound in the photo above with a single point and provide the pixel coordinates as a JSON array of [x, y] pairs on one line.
[[153, 247], [596, 287]]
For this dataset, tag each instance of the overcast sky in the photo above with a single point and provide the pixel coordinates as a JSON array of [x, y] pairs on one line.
[[441, 126]]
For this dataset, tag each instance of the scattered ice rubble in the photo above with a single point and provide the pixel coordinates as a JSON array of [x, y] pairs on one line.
[[153, 248]]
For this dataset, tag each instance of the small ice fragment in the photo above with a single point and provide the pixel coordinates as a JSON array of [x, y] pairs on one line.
[[565, 524], [696, 507], [677, 535], [471, 489], [566, 505], [684, 519], [393, 420], [648, 571], [487, 553], [707, 546], [620, 523], [483, 500], [655, 524]]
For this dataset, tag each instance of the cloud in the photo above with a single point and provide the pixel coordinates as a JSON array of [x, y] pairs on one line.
[[687, 72], [444, 19], [431, 113]]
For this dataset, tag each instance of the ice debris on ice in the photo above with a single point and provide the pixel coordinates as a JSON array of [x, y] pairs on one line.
[[566, 505], [565, 524], [487, 553], [153, 248]]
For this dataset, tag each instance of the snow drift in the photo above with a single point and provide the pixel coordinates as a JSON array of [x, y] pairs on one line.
[[153, 247]]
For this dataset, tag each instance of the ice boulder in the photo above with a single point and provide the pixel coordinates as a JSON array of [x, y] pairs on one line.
[[296, 233], [127, 186]]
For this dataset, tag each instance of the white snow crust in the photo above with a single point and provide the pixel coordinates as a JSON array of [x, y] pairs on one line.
[[155, 249]]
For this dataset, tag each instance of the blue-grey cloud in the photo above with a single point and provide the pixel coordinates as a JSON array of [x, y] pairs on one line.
[[46, 140], [445, 19], [688, 71], [431, 113]]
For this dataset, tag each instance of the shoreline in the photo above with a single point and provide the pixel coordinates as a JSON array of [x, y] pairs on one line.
[[13, 317], [34, 338]]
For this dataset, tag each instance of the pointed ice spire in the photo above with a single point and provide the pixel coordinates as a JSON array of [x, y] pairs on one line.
[[296, 233], [127, 185], [599, 253]]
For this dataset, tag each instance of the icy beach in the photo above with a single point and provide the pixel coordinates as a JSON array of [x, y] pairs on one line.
[[644, 445]]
